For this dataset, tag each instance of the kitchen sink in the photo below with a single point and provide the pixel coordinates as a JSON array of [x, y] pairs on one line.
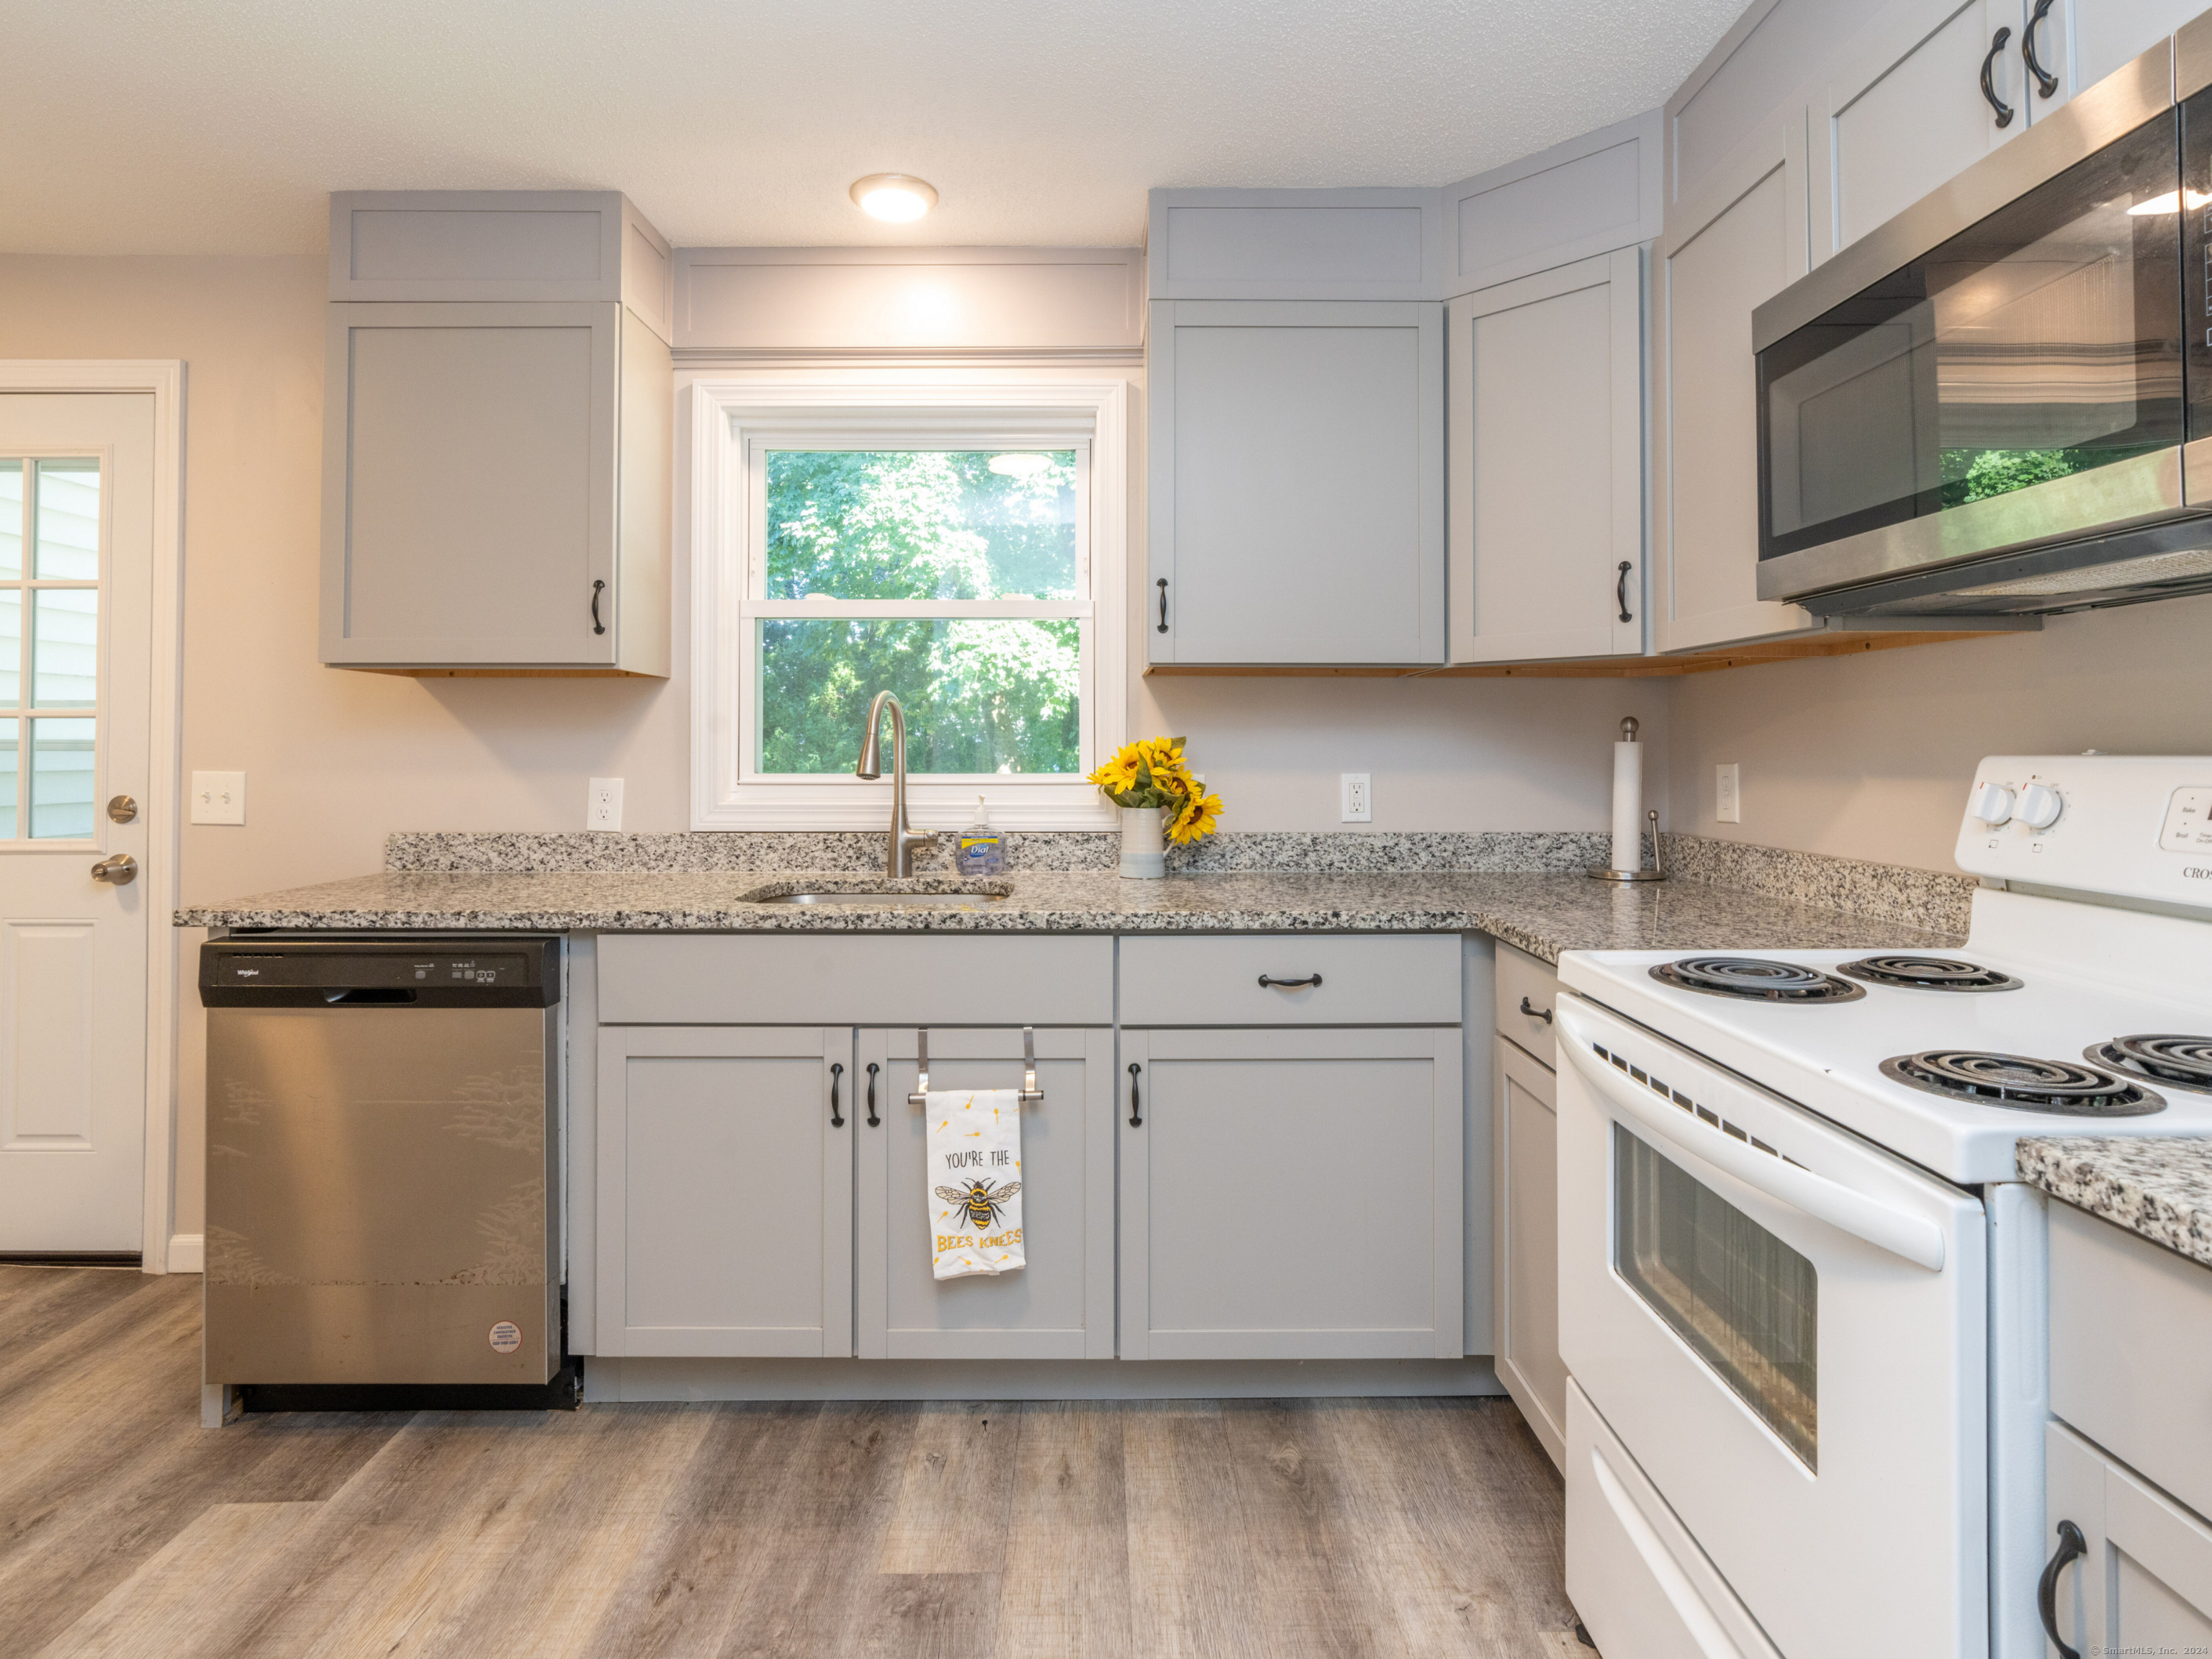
[[882, 898]]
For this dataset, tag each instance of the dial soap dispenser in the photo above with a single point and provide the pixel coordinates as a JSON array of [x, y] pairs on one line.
[[982, 850]]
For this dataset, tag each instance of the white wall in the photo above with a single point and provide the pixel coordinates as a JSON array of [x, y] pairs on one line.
[[1869, 757]]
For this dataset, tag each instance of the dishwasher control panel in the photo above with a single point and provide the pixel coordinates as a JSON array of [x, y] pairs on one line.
[[512, 972]]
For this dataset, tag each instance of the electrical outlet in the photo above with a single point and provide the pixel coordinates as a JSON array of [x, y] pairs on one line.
[[218, 798], [1728, 797], [1359, 799], [603, 805]]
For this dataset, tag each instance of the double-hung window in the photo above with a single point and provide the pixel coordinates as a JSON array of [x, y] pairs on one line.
[[955, 547]]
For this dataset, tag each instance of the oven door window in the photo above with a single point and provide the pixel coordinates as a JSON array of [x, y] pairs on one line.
[[2042, 342], [1746, 1303]]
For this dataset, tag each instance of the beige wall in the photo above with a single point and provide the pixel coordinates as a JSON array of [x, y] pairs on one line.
[[1869, 757], [335, 760]]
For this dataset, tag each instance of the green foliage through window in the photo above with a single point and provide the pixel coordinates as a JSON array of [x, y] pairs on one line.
[[1976, 475], [981, 694]]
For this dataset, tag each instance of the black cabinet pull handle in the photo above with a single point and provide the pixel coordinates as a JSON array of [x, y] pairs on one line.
[[872, 1119], [1988, 91], [2046, 82], [1544, 1014], [597, 627], [1136, 1118], [1620, 590], [1163, 585], [2071, 1546], [1288, 984], [835, 1074]]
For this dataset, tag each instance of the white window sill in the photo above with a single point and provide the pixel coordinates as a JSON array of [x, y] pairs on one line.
[[852, 803]]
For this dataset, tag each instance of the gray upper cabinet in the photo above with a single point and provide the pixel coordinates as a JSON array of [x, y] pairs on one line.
[[1901, 108], [1296, 482], [1061, 1305], [1545, 378], [1740, 242], [725, 1185], [496, 471], [1587, 196], [2079, 42], [1295, 245]]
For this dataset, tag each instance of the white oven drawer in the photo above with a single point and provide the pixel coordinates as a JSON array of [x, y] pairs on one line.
[[1785, 1327]]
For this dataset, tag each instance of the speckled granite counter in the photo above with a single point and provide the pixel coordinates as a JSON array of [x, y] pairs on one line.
[[1544, 913], [2159, 1186]]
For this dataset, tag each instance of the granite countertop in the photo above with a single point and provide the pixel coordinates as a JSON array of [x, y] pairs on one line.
[[2158, 1186], [1543, 914]]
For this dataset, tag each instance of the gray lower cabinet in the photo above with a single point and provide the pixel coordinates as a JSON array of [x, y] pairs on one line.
[[725, 1223], [497, 487], [1291, 1193], [1296, 482], [1525, 1306], [2144, 1583], [1060, 1305]]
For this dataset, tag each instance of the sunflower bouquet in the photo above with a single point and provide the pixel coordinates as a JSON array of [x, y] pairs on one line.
[[1152, 773]]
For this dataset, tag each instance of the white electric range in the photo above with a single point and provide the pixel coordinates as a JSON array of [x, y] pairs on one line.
[[1802, 1291]]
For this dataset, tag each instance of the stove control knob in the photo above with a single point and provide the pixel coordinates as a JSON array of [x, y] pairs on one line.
[[2040, 806], [1992, 804]]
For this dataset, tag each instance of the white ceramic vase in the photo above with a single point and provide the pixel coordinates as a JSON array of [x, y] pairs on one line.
[[1144, 853]]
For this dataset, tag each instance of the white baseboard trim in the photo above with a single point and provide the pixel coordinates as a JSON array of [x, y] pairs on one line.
[[187, 1253], [611, 1379]]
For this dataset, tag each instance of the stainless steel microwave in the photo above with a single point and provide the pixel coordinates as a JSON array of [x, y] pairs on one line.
[[2000, 402]]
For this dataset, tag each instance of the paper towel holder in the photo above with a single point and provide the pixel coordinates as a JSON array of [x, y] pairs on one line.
[[1657, 872]]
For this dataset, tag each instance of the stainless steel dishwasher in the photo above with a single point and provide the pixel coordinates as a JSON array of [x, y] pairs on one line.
[[382, 1146]]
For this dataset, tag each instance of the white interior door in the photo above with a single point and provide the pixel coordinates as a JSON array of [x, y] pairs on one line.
[[76, 539]]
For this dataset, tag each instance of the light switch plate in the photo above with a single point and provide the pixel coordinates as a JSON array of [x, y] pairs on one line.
[[603, 805], [218, 798], [1727, 793]]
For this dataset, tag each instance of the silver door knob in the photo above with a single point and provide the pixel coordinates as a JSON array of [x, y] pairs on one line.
[[121, 870]]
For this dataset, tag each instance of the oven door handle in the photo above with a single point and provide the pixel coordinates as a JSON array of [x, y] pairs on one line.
[[1915, 1238]]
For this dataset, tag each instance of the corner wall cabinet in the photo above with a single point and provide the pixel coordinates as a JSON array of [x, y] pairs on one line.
[[1296, 482], [497, 467], [1545, 378]]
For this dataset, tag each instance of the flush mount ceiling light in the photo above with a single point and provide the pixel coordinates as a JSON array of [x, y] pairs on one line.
[[1020, 464], [896, 196]]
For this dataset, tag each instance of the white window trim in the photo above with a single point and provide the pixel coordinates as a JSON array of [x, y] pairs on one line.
[[725, 416]]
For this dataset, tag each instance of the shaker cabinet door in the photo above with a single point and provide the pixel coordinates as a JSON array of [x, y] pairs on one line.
[[2079, 42], [1740, 243], [1290, 1194], [1545, 378], [1060, 1305], [486, 467], [1525, 1164], [726, 1191], [1296, 480]]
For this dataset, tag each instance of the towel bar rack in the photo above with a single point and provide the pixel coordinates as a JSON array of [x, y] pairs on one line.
[[1031, 1094]]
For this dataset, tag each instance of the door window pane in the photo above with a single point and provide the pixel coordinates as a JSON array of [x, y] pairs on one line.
[[11, 519], [919, 524], [11, 645], [1746, 1303], [9, 794], [980, 695], [69, 520], [65, 648], [61, 780]]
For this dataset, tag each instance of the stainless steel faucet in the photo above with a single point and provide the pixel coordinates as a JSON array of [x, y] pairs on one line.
[[898, 860]]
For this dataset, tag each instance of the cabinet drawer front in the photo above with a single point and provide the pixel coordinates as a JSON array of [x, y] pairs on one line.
[[879, 979], [1365, 980], [1523, 978], [2114, 1298]]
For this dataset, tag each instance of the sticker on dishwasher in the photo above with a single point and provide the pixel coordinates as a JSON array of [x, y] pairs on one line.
[[506, 1337]]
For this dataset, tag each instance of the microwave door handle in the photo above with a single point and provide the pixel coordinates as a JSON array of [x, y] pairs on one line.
[[1914, 1238]]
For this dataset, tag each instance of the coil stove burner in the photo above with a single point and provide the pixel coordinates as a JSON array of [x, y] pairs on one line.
[[2061, 1086], [1755, 979], [1928, 973], [2184, 1063]]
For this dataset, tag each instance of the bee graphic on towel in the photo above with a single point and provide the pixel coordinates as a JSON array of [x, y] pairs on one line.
[[974, 1158]]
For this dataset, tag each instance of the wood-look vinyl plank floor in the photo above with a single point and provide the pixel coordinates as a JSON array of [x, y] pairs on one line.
[[1238, 1529]]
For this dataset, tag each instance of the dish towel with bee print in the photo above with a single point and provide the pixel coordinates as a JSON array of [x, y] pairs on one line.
[[975, 1182]]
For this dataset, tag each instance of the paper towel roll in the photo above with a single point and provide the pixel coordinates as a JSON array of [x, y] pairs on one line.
[[1628, 803]]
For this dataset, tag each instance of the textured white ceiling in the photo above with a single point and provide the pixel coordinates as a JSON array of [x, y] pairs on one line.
[[220, 125]]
